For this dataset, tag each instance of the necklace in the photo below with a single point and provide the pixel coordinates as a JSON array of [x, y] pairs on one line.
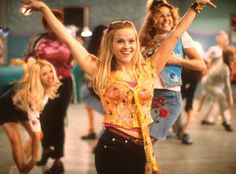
[[156, 42]]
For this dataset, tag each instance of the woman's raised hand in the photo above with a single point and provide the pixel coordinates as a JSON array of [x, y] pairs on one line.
[[31, 5], [206, 2]]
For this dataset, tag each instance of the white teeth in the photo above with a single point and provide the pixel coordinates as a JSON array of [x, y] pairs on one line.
[[124, 52], [165, 25]]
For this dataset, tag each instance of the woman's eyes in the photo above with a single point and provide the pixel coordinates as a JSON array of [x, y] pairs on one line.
[[122, 41], [163, 15], [131, 41]]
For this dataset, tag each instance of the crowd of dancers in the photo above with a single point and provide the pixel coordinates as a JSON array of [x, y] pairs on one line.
[[133, 79]]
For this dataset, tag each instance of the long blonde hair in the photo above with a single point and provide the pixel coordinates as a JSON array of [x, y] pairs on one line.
[[30, 89], [148, 30], [107, 64]]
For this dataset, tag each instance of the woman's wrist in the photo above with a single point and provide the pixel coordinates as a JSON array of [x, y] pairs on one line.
[[180, 62], [197, 7], [43, 7]]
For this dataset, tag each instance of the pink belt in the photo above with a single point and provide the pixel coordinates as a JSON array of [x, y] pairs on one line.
[[126, 136]]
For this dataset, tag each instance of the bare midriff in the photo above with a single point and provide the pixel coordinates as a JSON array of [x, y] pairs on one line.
[[135, 132]]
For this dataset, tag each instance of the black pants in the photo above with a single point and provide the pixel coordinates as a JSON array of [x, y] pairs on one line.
[[52, 119], [116, 155]]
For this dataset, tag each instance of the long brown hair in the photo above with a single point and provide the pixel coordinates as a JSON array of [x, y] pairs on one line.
[[228, 54], [148, 30]]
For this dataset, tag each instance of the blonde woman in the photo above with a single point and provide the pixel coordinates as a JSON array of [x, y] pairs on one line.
[[47, 46], [124, 82], [21, 105]]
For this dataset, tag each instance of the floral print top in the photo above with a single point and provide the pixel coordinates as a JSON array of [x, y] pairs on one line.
[[129, 106], [119, 102]]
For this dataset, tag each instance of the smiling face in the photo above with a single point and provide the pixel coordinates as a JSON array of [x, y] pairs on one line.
[[124, 46], [163, 20], [46, 76]]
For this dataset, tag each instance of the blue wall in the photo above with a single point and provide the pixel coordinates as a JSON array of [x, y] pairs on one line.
[[204, 28]]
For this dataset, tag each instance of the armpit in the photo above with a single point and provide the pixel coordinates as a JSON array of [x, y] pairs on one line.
[[91, 61]]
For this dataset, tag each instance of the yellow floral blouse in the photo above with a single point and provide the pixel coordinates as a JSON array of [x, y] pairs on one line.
[[119, 103], [129, 107]]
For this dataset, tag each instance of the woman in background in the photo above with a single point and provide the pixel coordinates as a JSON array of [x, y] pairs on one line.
[[212, 57], [161, 19], [218, 86], [21, 105], [49, 47]]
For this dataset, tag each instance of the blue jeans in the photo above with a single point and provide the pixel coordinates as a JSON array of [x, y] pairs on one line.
[[166, 107], [90, 99]]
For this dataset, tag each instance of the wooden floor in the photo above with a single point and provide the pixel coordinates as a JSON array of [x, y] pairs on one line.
[[213, 150]]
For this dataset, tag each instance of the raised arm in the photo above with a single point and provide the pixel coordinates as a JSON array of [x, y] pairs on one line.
[[78, 51], [166, 47]]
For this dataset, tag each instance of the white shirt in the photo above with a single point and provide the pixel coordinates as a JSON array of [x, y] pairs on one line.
[[34, 116]]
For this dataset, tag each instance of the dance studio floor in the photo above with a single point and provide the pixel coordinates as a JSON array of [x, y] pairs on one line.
[[213, 150]]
